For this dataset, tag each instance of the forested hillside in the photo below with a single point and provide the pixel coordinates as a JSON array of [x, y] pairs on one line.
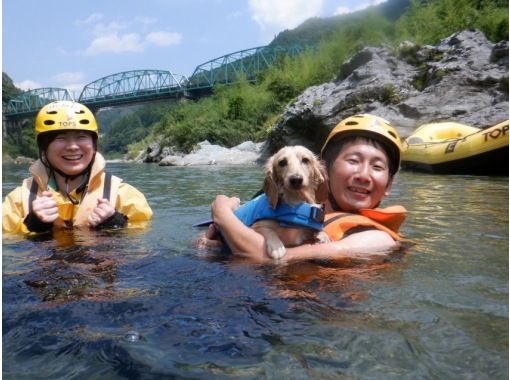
[[247, 111]]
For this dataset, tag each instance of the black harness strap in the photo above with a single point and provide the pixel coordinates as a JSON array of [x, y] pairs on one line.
[[33, 195], [107, 185], [336, 217], [34, 187]]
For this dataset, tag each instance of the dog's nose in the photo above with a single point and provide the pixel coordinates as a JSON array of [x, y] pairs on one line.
[[296, 181]]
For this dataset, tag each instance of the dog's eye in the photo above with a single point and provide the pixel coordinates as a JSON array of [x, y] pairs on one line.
[[282, 162], [305, 160]]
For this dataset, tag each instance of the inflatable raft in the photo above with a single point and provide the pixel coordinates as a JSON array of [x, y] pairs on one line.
[[453, 148]]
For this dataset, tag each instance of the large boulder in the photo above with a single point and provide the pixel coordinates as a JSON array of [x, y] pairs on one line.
[[464, 78]]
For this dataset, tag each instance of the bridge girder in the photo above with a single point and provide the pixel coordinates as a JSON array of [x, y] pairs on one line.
[[30, 102], [147, 85], [131, 85], [229, 68]]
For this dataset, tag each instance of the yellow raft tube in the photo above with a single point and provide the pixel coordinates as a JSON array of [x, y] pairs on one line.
[[453, 148]]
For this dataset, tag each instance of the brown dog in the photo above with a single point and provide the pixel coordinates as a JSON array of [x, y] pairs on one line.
[[292, 175]]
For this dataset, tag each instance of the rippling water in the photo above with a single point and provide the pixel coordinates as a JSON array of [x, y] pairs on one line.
[[144, 304]]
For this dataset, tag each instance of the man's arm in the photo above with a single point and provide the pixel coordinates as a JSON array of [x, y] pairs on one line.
[[359, 246], [243, 241]]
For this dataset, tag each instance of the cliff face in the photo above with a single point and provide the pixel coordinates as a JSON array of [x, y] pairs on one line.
[[464, 78]]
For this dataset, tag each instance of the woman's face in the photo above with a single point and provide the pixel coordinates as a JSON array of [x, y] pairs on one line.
[[71, 152], [359, 176]]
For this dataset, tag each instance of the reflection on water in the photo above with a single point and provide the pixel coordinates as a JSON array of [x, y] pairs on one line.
[[144, 304], [73, 264]]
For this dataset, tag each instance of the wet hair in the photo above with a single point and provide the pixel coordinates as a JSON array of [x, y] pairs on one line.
[[336, 144]]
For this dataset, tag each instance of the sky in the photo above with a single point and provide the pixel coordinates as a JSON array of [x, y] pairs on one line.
[[70, 43]]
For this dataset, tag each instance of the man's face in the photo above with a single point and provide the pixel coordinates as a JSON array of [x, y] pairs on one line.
[[359, 177]]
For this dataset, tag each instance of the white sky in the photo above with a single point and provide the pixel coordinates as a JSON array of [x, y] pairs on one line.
[[69, 43]]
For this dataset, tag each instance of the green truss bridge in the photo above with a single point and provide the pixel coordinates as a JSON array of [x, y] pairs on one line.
[[152, 85]]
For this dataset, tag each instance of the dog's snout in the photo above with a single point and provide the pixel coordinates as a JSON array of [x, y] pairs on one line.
[[296, 181]]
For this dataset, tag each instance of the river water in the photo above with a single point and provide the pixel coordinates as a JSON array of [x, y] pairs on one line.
[[144, 304]]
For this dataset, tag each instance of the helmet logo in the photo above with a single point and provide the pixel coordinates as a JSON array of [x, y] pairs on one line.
[[69, 122]]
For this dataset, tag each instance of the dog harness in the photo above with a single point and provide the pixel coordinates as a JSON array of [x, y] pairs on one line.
[[258, 208], [301, 215]]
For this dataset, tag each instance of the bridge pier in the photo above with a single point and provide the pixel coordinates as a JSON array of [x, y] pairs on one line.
[[13, 127]]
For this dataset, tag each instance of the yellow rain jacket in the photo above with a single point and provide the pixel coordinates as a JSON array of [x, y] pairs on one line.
[[126, 199]]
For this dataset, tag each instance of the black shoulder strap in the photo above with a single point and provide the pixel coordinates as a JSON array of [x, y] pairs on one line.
[[33, 194], [107, 185], [336, 217]]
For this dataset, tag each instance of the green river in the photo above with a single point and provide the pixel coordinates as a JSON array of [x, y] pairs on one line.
[[144, 304]]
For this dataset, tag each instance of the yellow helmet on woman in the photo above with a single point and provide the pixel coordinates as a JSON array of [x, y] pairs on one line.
[[65, 115], [373, 127]]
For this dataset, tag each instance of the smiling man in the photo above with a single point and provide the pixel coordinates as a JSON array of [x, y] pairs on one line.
[[362, 155], [69, 186]]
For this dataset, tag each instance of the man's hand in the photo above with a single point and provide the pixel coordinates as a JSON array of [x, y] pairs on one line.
[[223, 203]]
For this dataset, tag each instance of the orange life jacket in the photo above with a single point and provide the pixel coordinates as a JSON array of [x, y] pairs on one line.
[[388, 219]]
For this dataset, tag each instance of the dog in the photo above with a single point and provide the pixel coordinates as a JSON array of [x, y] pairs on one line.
[[292, 175]]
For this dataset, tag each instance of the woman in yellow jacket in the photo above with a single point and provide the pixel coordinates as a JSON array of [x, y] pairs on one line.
[[362, 155], [69, 186]]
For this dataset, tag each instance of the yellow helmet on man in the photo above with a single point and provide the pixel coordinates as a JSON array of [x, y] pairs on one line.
[[65, 115], [370, 126]]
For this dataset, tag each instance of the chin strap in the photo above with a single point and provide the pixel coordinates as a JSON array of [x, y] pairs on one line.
[[332, 202], [81, 187]]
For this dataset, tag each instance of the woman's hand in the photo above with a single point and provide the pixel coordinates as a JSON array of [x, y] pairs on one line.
[[45, 207], [101, 212]]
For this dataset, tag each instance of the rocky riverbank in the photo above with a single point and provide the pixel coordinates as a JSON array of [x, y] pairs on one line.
[[464, 78], [247, 153]]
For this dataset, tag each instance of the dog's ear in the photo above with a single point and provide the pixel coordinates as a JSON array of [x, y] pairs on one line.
[[321, 193], [270, 188]]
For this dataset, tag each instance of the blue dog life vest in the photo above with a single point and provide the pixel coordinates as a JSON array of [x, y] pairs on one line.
[[301, 215]]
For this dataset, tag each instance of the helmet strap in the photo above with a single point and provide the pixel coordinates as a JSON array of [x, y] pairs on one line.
[[81, 187], [332, 202], [83, 184]]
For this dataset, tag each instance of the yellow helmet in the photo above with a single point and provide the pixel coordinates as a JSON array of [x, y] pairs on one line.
[[65, 115], [370, 126]]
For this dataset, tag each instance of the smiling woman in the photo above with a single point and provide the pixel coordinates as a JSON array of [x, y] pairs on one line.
[[69, 186]]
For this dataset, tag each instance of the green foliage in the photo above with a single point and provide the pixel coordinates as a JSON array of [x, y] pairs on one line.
[[21, 142], [9, 91], [131, 125], [428, 22], [233, 114], [123, 132]]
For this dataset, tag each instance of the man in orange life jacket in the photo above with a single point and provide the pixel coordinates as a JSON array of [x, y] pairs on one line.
[[362, 155], [69, 186]]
